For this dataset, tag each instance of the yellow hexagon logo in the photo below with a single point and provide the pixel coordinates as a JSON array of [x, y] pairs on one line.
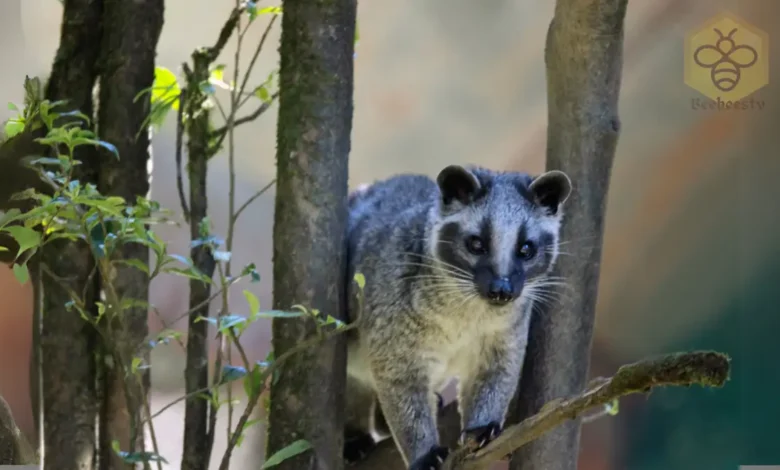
[[727, 58]]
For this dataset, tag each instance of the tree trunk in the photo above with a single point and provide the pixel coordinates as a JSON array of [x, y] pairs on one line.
[[198, 435], [313, 144], [68, 343], [131, 32], [584, 64]]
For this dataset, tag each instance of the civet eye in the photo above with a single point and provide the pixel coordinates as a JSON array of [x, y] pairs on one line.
[[527, 250], [475, 245]]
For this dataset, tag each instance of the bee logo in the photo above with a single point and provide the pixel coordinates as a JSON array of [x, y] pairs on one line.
[[725, 60]]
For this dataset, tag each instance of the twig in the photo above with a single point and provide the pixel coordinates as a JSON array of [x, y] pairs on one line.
[[224, 35], [207, 301], [256, 54], [255, 196], [710, 369], [243, 120], [179, 134], [250, 406]]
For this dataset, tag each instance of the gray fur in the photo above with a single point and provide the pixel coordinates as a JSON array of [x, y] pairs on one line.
[[425, 318]]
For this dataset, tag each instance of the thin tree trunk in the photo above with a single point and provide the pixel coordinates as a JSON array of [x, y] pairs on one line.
[[198, 437], [313, 144], [131, 32], [68, 343], [584, 63]]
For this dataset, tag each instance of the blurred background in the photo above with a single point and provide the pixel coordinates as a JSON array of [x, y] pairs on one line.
[[691, 252]]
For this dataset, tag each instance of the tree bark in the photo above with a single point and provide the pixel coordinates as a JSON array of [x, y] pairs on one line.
[[199, 415], [197, 442], [14, 448], [313, 144], [131, 32], [584, 63], [68, 343]]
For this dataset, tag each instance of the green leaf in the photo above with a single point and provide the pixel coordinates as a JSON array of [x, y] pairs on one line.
[[191, 273], [217, 77], [14, 126], [612, 408], [298, 447], [262, 93], [357, 33], [218, 73], [48, 161], [253, 381], [251, 270], [166, 87], [140, 457], [270, 11], [277, 314], [21, 273], [106, 205], [231, 373], [254, 303], [135, 366], [230, 321], [13, 107], [99, 143], [211, 320], [165, 337], [9, 216], [110, 147], [135, 263], [207, 88], [360, 279], [26, 237]]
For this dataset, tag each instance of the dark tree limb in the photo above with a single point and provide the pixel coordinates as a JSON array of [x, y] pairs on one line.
[[68, 343], [14, 448], [584, 64], [705, 368], [197, 441], [131, 32], [199, 416], [309, 263]]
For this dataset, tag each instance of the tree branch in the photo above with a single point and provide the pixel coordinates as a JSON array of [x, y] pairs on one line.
[[248, 118], [709, 369], [706, 368], [14, 448]]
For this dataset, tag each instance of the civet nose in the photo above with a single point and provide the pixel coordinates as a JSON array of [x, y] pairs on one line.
[[500, 291]]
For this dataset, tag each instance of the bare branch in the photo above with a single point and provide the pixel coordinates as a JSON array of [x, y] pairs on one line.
[[224, 35], [243, 120], [253, 198], [709, 369], [179, 136]]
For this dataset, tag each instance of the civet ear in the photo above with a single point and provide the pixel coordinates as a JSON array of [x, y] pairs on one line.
[[550, 190], [457, 184]]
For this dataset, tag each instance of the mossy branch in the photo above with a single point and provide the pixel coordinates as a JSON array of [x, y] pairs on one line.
[[706, 368], [709, 369]]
